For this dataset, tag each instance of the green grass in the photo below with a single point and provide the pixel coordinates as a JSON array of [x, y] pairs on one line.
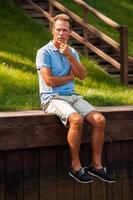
[[119, 11], [101, 89], [20, 37]]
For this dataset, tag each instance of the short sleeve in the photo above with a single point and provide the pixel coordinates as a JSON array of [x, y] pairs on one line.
[[42, 59], [76, 55]]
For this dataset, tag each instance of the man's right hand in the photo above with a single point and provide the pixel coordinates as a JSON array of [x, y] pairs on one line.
[[72, 74]]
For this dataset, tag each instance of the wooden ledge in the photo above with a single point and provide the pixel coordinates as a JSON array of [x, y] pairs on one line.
[[40, 112], [33, 128]]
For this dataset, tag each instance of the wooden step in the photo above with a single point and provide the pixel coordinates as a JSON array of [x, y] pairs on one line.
[[44, 6], [130, 77], [101, 61], [34, 14], [92, 40], [112, 70]]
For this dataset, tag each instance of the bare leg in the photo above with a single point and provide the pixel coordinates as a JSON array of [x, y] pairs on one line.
[[97, 121], [74, 139]]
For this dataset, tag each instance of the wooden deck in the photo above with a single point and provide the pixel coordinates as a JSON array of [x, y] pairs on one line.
[[34, 157]]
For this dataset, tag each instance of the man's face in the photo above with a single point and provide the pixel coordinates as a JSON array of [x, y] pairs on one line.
[[61, 32]]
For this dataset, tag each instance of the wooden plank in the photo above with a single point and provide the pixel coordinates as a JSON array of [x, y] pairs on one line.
[[124, 54], [47, 135], [113, 159], [32, 136], [36, 113], [31, 174], [39, 117], [98, 187], [127, 169], [48, 183], [40, 10], [30, 130], [98, 190], [85, 154], [96, 50], [65, 183], [77, 191], [118, 115], [83, 191], [13, 175], [2, 172], [21, 119], [124, 130]]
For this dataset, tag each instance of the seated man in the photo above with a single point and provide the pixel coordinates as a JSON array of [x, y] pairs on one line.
[[58, 64]]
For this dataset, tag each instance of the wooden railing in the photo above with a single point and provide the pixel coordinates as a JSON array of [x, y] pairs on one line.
[[122, 48], [123, 31]]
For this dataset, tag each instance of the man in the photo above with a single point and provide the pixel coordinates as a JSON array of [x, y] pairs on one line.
[[58, 64]]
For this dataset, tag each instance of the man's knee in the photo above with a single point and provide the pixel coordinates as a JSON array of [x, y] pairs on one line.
[[100, 120], [76, 119], [96, 119]]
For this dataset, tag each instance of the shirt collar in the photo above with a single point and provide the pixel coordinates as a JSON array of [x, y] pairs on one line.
[[53, 46]]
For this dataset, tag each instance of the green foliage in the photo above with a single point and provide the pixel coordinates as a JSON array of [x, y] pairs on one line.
[[101, 89], [20, 37]]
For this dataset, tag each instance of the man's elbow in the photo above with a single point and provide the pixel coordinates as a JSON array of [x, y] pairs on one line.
[[49, 83], [82, 76]]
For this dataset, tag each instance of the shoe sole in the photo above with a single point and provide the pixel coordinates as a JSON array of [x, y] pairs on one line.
[[79, 180], [101, 178]]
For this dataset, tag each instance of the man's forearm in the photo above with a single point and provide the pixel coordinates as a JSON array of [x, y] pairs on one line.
[[53, 81], [78, 69]]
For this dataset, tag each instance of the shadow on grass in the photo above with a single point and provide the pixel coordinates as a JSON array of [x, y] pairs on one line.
[[17, 95], [18, 65], [99, 100]]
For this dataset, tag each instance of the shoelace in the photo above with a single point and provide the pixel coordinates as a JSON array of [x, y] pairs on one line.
[[105, 169], [82, 171]]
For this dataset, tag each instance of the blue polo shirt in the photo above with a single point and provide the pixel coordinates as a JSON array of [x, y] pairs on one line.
[[50, 57]]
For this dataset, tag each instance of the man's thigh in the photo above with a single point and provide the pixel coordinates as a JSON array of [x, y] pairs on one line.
[[83, 107], [60, 108]]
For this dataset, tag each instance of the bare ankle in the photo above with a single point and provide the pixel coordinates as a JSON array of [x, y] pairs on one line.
[[96, 165], [76, 167]]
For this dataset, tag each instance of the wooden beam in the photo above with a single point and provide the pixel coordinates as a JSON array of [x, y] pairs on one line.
[[28, 129], [96, 50], [90, 28], [43, 12], [98, 14], [124, 54]]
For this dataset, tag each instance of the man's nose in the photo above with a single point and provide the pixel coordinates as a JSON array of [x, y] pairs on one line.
[[61, 32]]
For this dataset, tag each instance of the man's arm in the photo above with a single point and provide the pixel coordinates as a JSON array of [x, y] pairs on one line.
[[53, 81], [78, 69]]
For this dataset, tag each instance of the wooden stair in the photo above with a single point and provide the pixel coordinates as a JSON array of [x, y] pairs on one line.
[[94, 40]]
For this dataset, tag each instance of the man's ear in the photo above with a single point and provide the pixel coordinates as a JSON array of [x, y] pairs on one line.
[[52, 30]]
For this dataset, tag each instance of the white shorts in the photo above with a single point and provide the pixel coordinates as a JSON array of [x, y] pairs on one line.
[[64, 106]]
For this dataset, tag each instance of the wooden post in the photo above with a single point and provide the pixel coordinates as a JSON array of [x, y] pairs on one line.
[[124, 54], [51, 12], [85, 20], [18, 1]]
